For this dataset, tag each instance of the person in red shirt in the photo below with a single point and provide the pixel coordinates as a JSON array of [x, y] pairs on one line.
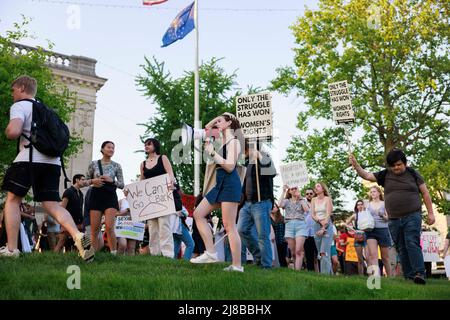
[[341, 246]]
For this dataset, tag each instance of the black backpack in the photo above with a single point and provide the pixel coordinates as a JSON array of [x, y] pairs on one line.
[[49, 134], [382, 176]]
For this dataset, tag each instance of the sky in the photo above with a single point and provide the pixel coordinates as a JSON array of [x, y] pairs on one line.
[[252, 37]]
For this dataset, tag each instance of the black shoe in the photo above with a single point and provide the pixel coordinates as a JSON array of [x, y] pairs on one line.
[[419, 279]]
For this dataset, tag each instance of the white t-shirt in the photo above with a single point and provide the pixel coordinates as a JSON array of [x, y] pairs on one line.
[[24, 110]]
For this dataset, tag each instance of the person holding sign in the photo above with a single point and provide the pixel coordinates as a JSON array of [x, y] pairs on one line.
[[257, 207], [321, 211], [226, 194], [403, 187], [160, 230], [296, 231], [105, 176]]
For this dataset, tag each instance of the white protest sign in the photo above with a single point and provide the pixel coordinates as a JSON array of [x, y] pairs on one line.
[[429, 241], [254, 113], [294, 174], [126, 228], [150, 198], [341, 102]]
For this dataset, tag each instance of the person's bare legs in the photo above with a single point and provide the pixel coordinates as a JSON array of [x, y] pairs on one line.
[[372, 248], [110, 221], [386, 260], [62, 237], [12, 219], [299, 252], [359, 253], [63, 217], [96, 220], [291, 246], [200, 213], [121, 246], [131, 247], [229, 213]]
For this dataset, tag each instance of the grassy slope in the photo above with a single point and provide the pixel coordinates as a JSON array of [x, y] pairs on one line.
[[43, 276]]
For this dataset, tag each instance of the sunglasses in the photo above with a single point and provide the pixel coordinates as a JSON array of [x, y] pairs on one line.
[[309, 194], [292, 189]]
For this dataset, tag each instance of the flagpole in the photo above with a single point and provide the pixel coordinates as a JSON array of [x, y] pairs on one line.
[[197, 154]]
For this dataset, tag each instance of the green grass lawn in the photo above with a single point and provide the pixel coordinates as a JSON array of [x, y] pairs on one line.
[[44, 276]]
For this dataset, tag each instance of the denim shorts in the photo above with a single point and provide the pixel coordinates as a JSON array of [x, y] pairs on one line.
[[382, 235], [333, 251], [361, 243], [295, 228]]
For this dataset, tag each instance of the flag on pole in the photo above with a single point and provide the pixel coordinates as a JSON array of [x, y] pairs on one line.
[[180, 26], [150, 2]]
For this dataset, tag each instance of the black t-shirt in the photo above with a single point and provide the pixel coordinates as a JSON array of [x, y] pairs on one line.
[[74, 204]]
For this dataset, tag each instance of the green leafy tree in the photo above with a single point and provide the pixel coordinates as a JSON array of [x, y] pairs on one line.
[[175, 105], [395, 57], [33, 63]]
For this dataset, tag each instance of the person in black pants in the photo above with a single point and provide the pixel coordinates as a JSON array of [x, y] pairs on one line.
[[278, 226], [310, 244]]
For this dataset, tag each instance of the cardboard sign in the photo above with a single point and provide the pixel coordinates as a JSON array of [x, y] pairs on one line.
[[429, 241], [294, 174], [341, 103], [150, 198], [126, 228], [350, 253], [254, 112]]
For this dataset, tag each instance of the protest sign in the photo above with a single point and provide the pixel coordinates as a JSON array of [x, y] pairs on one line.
[[341, 103], [126, 228], [254, 113], [294, 174], [429, 241], [350, 253], [150, 198], [447, 266]]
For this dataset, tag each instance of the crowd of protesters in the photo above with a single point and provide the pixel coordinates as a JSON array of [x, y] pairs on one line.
[[297, 230]]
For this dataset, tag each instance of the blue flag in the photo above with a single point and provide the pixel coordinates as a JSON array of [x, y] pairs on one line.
[[180, 26]]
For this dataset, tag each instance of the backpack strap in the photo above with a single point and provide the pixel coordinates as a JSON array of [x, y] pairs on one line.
[[99, 162]]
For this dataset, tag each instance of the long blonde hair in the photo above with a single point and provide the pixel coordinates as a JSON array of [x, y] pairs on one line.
[[325, 189], [379, 191]]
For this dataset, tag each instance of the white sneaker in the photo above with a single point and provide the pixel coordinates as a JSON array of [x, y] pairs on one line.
[[85, 249], [206, 257], [234, 268], [4, 252]]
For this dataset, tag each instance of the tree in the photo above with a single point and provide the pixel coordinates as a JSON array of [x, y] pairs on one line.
[[395, 56], [175, 105], [32, 63]]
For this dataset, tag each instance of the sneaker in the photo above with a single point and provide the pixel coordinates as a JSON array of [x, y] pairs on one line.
[[85, 249], [206, 257], [4, 252], [234, 268], [419, 279]]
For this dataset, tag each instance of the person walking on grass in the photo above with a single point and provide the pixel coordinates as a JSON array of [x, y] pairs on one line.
[[403, 187], [226, 194], [44, 171]]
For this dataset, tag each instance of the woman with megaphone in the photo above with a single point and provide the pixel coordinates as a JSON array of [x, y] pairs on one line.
[[226, 193]]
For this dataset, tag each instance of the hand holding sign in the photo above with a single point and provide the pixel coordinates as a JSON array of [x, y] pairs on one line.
[[151, 198], [294, 174]]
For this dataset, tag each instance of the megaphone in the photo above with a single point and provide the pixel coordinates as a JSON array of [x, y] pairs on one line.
[[189, 134]]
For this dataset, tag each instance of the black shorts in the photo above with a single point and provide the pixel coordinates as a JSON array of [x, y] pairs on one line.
[[102, 199], [45, 180]]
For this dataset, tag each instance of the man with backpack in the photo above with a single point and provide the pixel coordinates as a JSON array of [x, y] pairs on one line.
[[32, 167], [402, 188]]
